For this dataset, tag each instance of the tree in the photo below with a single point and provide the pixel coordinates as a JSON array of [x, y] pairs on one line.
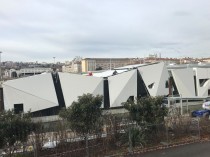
[[14, 128], [148, 114], [147, 110], [84, 115]]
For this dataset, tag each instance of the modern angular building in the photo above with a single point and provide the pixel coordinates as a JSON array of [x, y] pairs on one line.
[[190, 80], [46, 94]]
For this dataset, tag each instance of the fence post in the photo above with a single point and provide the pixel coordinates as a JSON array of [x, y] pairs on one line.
[[130, 141], [181, 104], [86, 143], [35, 149], [199, 131], [187, 107], [167, 138]]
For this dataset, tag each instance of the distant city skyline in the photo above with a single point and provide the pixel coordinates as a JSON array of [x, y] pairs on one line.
[[37, 30]]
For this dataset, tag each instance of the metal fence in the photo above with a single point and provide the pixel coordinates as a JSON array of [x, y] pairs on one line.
[[119, 137]]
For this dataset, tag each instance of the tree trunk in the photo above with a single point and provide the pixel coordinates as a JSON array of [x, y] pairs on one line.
[[86, 143]]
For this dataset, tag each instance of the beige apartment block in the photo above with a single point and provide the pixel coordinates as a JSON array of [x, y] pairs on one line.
[[66, 68], [93, 64], [72, 68], [207, 60]]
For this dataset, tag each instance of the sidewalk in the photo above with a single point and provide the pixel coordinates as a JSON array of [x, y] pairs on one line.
[[190, 150]]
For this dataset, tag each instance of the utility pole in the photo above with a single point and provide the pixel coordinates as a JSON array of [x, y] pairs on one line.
[[54, 67], [110, 64], [0, 67], [1, 89]]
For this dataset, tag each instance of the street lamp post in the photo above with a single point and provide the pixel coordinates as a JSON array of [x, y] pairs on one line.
[[54, 67], [54, 59]]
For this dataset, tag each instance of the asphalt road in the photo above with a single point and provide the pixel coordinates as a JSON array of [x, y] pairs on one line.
[[191, 150]]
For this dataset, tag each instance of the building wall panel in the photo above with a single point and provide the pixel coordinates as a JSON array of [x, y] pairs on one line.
[[184, 80], [155, 77], [202, 73], [36, 92], [121, 87], [74, 85]]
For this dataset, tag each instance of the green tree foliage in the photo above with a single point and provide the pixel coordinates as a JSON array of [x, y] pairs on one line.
[[14, 128], [136, 137], [84, 115], [147, 110], [147, 115]]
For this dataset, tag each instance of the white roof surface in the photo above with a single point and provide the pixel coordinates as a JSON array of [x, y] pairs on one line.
[[130, 66], [108, 73]]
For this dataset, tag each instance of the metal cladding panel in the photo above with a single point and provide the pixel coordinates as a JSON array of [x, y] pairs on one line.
[[155, 77], [74, 85], [184, 80], [38, 85], [121, 87], [203, 73], [30, 102]]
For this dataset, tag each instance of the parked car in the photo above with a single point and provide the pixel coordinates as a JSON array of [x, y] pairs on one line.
[[50, 144], [203, 113]]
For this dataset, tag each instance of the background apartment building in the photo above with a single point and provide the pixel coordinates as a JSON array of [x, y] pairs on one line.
[[73, 66], [205, 60], [92, 64]]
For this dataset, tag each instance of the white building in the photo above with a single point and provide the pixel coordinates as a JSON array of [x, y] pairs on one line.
[[12, 73], [46, 94], [190, 80]]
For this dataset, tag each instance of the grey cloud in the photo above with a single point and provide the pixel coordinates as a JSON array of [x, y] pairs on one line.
[[166, 44], [40, 29], [182, 13]]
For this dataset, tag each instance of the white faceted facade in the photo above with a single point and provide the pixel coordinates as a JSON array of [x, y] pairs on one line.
[[155, 77], [74, 85], [184, 79], [121, 87], [34, 92], [53, 91], [202, 81]]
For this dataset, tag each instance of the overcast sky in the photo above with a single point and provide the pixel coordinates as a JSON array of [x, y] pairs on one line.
[[38, 30]]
